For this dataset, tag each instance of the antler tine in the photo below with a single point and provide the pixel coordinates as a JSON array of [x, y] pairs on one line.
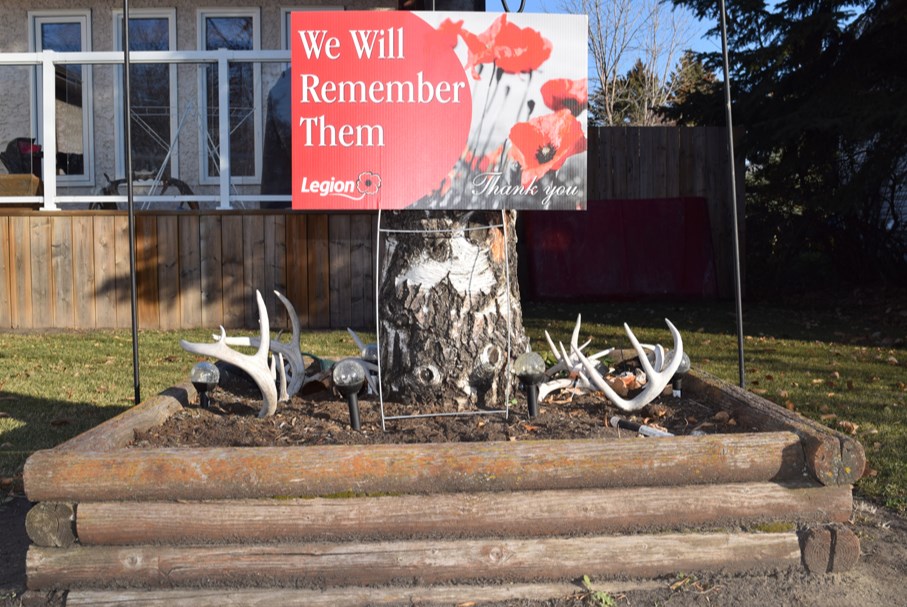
[[292, 351], [282, 396], [359, 343], [551, 345], [574, 339], [643, 359], [255, 365]]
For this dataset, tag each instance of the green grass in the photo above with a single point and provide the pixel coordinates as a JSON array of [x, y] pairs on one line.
[[55, 385], [841, 363]]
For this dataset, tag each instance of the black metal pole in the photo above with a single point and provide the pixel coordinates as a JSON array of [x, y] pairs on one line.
[[127, 130], [738, 287]]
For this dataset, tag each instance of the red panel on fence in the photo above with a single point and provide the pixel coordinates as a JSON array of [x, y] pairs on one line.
[[619, 249]]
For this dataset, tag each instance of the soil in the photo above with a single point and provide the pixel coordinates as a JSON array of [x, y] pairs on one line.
[[323, 418]]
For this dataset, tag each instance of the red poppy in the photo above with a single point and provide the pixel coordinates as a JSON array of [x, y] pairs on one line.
[[518, 50], [563, 93], [481, 47], [544, 143], [450, 31], [368, 182]]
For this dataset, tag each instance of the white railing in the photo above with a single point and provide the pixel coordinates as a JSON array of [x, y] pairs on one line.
[[48, 59]]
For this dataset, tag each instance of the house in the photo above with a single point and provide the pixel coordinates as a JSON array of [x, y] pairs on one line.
[[200, 76]]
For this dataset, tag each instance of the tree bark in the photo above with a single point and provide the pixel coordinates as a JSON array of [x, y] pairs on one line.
[[449, 302]]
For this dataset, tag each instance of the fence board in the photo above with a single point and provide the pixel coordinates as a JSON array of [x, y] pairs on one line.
[[297, 269], [105, 271], [83, 271], [6, 309], [253, 247], [61, 270], [20, 266], [318, 271], [190, 285], [234, 297], [209, 242], [339, 270], [42, 283], [362, 288], [146, 261], [275, 277], [168, 271], [121, 263]]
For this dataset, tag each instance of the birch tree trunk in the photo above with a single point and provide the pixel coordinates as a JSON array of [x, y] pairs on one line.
[[449, 306]]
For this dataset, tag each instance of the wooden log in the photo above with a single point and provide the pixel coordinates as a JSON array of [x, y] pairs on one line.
[[466, 594], [249, 472], [51, 524], [833, 458], [419, 561], [830, 549], [521, 514], [116, 433]]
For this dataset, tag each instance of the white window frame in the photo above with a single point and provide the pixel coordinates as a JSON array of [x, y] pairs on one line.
[[82, 17], [285, 20], [204, 177], [120, 138]]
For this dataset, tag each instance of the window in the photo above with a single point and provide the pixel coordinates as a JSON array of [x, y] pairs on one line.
[[285, 20], [66, 32], [232, 30], [152, 95]]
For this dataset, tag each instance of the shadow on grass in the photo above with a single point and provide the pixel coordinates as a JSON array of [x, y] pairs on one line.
[[28, 424]]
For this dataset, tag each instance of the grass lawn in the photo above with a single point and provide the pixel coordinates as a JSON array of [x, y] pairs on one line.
[[843, 363]]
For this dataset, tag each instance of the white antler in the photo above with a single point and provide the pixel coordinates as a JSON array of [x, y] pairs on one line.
[[256, 365], [657, 377], [291, 351]]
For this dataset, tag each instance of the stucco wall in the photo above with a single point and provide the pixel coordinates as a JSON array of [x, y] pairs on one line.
[[16, 91]]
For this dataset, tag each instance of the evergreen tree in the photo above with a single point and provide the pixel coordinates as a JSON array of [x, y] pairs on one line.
[[820, 91]]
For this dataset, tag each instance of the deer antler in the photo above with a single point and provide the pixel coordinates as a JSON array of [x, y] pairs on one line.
[[291, 351], [256, 365], [657, 377]]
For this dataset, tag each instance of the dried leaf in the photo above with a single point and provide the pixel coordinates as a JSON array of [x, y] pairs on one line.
[[529, 428], [828, 417], [784, 394], [721, 417], [818, 381], [849, 427], [789, 405], [760, 391], [836, 375]]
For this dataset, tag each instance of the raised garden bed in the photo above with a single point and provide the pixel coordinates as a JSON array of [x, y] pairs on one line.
[[430, 522]]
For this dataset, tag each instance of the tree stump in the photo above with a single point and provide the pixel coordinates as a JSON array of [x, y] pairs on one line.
[[449, 307]]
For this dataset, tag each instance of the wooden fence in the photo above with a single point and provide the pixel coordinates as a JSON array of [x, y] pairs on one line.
[[194, 269], [70, 269]]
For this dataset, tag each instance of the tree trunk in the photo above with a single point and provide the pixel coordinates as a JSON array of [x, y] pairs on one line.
[[449, 308]]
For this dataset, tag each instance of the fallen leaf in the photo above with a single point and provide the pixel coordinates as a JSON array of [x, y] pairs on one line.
[[818, 381], [836, 375], [760, 391], [849, 427], [828, 417], [789, 405], [529, 428], [784, 394], [721, 417]]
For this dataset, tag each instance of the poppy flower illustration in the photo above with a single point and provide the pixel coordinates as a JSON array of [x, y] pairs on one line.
[[518, 50], [481, 47], [450, 31], [368, 183], [544, 143], [483, 163], [563, 93]]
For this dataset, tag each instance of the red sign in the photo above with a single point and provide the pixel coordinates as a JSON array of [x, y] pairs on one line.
[[398, 110]]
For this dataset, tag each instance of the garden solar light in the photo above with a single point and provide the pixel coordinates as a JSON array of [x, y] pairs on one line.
[[349, 376], [530, 368], [678, 375], [204, 376]]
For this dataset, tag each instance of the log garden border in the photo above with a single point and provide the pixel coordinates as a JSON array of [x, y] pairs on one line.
[[298, 524]]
